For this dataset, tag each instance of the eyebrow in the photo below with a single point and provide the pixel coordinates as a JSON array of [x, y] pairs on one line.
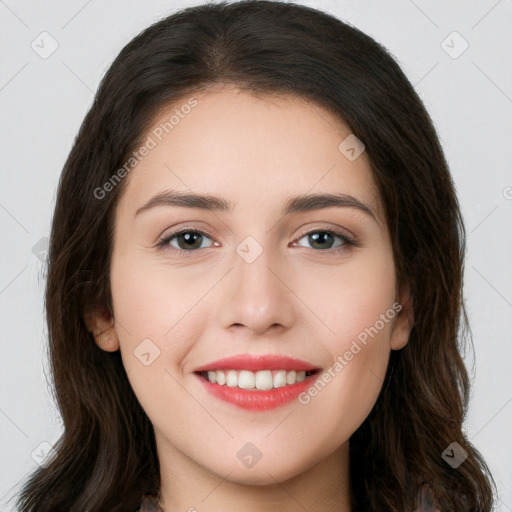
[[301, 203]]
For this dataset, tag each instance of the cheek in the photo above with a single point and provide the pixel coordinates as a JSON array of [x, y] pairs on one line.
[[351, 297], [149, 299], [150, 308], [356, 304], [346, 391]]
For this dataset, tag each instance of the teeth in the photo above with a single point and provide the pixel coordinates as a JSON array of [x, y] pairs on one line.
[[280, 379], [221, 378], [262, 380], [231, 379], [246, 380]]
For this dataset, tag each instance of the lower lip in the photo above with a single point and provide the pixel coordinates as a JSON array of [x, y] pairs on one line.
[[257, 400]]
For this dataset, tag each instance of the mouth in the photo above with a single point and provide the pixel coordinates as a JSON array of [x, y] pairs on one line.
[[257, 382]]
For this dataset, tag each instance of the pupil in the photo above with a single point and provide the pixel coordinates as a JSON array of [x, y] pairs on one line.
[[190, 239], [320, 237]]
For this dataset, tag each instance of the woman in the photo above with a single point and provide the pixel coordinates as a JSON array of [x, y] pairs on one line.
[[254, 286]]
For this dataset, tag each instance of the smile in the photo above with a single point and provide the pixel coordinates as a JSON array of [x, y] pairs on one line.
[[257, 382], [262, 380]]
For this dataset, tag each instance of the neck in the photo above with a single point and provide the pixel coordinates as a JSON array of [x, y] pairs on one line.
[[188, 486]]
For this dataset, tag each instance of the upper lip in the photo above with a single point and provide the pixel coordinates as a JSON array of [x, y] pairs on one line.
[[258, 362]]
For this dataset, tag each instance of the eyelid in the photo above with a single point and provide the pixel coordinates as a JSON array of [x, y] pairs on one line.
[[348, 243], [163, 243], [344, 234], [186, 229]]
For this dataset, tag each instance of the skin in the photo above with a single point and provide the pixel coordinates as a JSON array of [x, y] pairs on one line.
[[294, 300]]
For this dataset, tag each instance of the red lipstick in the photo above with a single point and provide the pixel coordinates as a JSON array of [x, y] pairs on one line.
[[256, 399], [255, 363]]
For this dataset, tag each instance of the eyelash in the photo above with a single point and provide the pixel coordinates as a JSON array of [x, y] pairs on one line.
[[347, 241]]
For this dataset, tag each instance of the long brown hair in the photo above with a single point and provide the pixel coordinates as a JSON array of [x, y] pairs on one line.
[[106, 458]]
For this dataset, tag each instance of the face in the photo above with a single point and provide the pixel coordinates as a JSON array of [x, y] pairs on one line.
[[255, 272]]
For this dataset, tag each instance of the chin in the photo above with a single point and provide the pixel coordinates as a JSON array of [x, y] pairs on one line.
[[264, 474]]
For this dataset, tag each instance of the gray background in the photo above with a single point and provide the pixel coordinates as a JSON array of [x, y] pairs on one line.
[[43, 102]]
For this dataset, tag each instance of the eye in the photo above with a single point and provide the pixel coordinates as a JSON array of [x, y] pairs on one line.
[[185, 241], [327, 241]]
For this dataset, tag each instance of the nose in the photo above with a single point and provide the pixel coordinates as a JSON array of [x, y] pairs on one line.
[[258, 296]]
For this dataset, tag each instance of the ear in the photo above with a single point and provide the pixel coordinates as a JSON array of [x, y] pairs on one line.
[[404, 321], [100, 323]]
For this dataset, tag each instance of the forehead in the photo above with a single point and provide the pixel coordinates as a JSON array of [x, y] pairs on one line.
[[250, 149]]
